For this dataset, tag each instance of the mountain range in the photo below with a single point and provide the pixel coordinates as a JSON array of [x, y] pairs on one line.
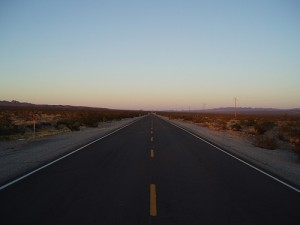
[[246, 110], [17, 104]]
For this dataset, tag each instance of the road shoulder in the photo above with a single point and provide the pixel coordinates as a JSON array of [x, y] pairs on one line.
[[20, 157], [281, 163]]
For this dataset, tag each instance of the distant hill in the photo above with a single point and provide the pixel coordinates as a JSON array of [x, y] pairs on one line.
[[17, 104], [249, 110]]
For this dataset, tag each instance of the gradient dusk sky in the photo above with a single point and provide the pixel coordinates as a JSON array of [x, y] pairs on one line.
[[151, 55]]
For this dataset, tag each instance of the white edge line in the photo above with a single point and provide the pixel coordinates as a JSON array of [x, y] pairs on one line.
[[62, 157], [233, 156]]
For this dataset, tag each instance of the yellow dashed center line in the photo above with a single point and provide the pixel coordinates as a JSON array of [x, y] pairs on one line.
[[153, 208], [152, 153]]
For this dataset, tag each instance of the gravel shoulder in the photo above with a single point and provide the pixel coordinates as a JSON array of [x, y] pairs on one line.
[[22, 156], [282, 163]]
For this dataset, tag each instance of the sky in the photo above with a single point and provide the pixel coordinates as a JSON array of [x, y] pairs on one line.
[[151, 55]]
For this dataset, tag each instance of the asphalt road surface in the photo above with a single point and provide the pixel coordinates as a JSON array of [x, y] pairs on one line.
[[150, 172]]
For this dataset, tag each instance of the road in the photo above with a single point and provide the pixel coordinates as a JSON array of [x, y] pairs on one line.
[[150, 172]]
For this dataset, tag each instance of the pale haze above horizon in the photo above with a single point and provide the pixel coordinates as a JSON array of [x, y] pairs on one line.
[[151, 55]]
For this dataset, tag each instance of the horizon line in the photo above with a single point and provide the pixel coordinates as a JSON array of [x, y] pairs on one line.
[[141, 109]]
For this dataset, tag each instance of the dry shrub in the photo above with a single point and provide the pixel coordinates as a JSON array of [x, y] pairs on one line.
[[264, 126], [71, 124], [220, 124], [248, 123], [297, 147], [236, 127], [264, 141]]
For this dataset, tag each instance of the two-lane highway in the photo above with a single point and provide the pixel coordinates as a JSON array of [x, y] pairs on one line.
[[150, 172]]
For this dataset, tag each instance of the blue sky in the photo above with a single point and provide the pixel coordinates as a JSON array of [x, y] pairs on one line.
[[151, 54]]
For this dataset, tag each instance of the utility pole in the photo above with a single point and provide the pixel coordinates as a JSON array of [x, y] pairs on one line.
[[235, 100]]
